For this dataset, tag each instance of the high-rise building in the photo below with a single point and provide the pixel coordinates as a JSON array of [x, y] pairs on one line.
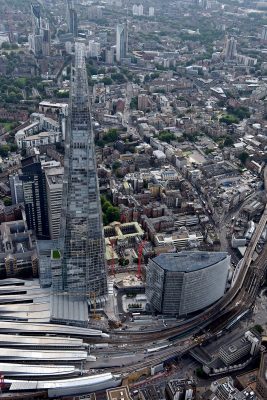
[[54, 185], [138, 9], [39, 39], [185, 282], [95, 12], [151, 11], [94, 49], [34, 190], [36, 18], [72, 18], [16, 188], [230, 48], [121, 42], [264, 33], [109, 55], [262, 377], [81, 271], [46, 39]]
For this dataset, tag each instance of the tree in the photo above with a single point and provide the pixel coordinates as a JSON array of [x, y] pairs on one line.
[[13, 147], [243, 157], [123, 262], [134, 103], [228, 141], [165, 136], [239, 112], [107, 80], [229, 119], [118, 77], [116, 165], [4, 149], [7, 201], [258, 328], [111, 136], [5, 46], [200, 373], [112, 214]]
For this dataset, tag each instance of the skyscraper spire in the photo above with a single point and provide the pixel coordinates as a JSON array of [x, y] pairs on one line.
[[81, 242]]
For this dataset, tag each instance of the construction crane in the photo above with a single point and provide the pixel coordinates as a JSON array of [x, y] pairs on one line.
[[140, 253], [2, 383], [95, 315], [113, 258]]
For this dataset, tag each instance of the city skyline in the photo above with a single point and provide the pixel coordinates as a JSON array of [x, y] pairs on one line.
[[133, 214]]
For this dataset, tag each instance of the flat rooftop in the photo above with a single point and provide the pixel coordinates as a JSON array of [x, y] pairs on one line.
[[121, 393], [189, 261]]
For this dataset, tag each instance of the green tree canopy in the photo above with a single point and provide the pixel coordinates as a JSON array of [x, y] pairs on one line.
[[243, 157], [165, 136]]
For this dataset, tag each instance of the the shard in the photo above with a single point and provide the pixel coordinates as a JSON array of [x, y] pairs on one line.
[[79, 266]]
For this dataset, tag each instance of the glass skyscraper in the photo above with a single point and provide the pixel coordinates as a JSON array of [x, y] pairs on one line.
[[79, 267]]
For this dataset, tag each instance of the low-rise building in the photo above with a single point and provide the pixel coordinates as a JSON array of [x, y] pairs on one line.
[[18, 256], [123, 233], [261, 385], [181, 389], [121, 393], [247, 344]]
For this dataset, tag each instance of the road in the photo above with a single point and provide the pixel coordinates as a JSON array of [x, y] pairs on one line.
[[240, 297]]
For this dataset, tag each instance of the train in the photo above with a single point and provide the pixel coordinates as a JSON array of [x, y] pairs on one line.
[[155, 349], [236, 319]]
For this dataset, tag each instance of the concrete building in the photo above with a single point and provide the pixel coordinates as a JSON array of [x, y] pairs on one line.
[[121, 393], [42, 130], [224, 389], [248, 344], [185, 282], [143, 102], [230, 48], [72, 19], [109, 55], [39, 39], [121, 42], [151, 11], [138, 10], [18, 256], [94, 49], [264, 33], [95, 12], [261, 386], [54, 185], [181, 389], [42, 138], [179, 239], [123, 233]]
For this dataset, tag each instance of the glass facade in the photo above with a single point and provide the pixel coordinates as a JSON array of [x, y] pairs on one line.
[[81, 241], [185, 282]]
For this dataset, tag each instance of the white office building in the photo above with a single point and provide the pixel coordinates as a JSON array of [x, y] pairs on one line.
[[121, 42]]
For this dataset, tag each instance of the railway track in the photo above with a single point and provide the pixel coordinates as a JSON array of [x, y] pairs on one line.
[[240, 297]]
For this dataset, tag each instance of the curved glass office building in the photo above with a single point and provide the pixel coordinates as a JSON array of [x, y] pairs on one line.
[[185, 282]]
